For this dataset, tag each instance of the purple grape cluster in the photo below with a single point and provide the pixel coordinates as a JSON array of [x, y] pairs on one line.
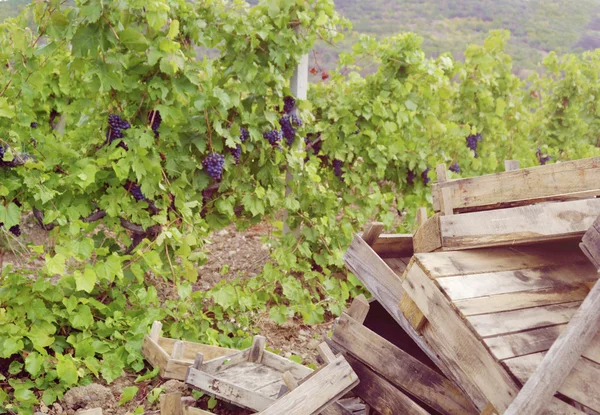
[[236, 153], [116, 125], [136, 191], [34, 125], [287, 130], [410, 177], [542, 159], [214, 163], [288, 104], [155, 118], [425, 176], [455, 167], [207, 196], [337, 168], [15, 230], [296, 121], [273, 136], [472, 141], [2, 151], [244, 135]]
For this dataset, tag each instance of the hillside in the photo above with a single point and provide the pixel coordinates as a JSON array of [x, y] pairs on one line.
[[537, 26]]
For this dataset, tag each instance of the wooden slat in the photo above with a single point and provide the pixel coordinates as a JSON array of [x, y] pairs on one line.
[[170, 404], [215, 365], [326, 386], [477, 261], [523, 186], [394, 245], [519, 225], [206, 382], [590, 244], [516, 300], [359, 309], [460, 343], [427, 237], [398, 265], [529, 318], [282, 364], [191, 349], [561, 358], [493, 283], [533, 341], [400, 368], [380, 394], [372, 232], [580, 385], [386, 287], [334, 409]]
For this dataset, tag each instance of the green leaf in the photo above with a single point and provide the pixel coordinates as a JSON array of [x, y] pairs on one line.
[[212, 402], [33, 363], [6, 110], [67, 371], [85, 41], [155, 394], [128, 394], [56, 264], [10, 216], [173, 29], [86, 281], [149, 375], [133, 39]]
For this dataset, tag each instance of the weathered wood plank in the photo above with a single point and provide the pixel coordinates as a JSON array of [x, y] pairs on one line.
[[533, 341], [191, 349], [526, 319], [561, 359], [380, 394], [519, 225], [257, 350], [206, 382], [524, 299], [285, 365], [503, 282], [334, 409], [394, 245], [359, 308], [400, 368], [372, 232], [590, 244], [170, 404], [581, 384], [320, 390], [524, 186], [427, 237], [461, 345], [478, 261], [386, 287]]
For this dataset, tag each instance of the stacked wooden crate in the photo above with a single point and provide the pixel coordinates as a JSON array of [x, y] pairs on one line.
[[496, 276]]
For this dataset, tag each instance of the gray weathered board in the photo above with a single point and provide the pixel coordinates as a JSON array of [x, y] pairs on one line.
[[250, 378]]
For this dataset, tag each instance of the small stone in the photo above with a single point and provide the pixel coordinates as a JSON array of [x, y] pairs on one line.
[[313, 344], [287, 354], [43, 408], [39, 413], [223, 232], [303, 332]]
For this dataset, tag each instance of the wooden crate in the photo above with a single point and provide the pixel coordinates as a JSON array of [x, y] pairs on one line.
[[463, 219], [393, 381], [486, 316], [250, 378], [499, 310], [173, 357]]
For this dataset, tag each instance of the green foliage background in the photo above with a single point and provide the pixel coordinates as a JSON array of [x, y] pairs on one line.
[[84, 315]]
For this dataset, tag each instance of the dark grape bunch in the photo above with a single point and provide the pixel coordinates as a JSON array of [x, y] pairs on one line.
[[425, 176], [542, 159], [287, 130], [214, 163], [455, 167], [136, 191], [289, 103], [2, 151], [296, 120], [34, 125], [410, 177], [236, 153], [116, 125], [244, 135], [472, 141], [15, 230], [273, 136], [337, 168], [155, 118], [207, 195]]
